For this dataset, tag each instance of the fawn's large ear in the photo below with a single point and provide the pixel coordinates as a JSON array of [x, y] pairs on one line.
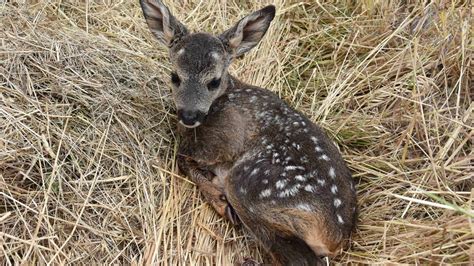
[[248, 31], [161, 22]]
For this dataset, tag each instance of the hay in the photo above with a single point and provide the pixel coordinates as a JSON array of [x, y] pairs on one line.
[[87, 144]]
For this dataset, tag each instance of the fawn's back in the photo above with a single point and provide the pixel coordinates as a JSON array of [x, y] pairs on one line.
[[279, 171], [251, 155]]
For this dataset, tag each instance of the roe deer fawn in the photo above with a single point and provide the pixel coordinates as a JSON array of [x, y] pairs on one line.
[[255, 159]]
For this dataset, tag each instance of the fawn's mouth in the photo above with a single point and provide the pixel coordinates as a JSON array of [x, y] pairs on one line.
[[191, 118], [196, 124]]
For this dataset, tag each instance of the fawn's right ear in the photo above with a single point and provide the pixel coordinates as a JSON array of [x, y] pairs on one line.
[[166, 28]]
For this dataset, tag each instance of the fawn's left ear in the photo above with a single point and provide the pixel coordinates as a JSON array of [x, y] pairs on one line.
[[248, 31], [166, 28]]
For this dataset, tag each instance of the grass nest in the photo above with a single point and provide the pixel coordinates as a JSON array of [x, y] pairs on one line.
[[87, 143]]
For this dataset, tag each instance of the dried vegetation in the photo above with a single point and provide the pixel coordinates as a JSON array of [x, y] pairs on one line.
[[87, 144]]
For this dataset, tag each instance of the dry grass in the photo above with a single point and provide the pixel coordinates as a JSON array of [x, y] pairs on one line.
[[87, 148]]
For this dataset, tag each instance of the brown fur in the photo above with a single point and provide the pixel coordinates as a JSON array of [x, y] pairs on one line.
[[254, 158]]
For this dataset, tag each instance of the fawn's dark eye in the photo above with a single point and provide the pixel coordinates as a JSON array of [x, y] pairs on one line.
[[214, 84], [175, 79]]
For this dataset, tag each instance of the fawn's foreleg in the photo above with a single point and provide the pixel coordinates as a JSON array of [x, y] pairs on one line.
[[213, 194]]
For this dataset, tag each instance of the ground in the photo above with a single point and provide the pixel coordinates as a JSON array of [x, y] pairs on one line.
[[87, 142]]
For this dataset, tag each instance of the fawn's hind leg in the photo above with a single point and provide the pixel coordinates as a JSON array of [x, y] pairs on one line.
[[292, 236], [284, 247], [213, 193]]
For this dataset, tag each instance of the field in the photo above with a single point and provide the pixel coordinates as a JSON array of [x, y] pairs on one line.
[[87, 142]]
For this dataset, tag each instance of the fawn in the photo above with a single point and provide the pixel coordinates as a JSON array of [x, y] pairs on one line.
[[255, 159]]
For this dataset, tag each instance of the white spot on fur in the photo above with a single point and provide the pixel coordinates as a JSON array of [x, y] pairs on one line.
[[337, 202], [267, 172], [254, 171], [243, 190], [332, 172], [297, 146], [304, 207], [293, 167], [290, 192], [265, 193], [265, 181], [318, 149], [314, 139], [334, 189], [324, 157], [300, 178], [313, 173], [321, 182], [339, 219], [180, 52], [296, 187], [253, 99], [280, 184], [310, 188], [215, 55]]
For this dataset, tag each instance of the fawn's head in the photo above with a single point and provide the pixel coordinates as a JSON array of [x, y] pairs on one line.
[[200, 60]]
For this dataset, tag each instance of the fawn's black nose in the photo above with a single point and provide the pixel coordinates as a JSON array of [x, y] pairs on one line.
[[190, 118]]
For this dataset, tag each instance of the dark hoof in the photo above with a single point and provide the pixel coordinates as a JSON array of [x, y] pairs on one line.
[[231, 215], [249, 262]]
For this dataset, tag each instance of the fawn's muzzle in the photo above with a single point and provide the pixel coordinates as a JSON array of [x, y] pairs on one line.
[[190, 119]]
